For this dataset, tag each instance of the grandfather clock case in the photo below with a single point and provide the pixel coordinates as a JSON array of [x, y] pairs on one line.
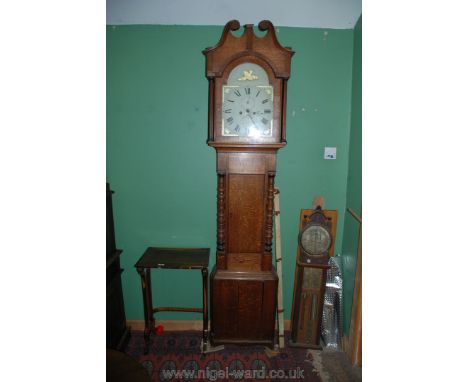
[[247, 125]]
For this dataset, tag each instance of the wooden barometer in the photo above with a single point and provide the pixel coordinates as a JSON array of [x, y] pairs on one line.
[[317, 231], [247, 125]]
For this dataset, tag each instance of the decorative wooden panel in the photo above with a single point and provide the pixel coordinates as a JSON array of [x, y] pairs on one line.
[[266, 327], [250, 298], [246, 209], [247, 314], [244, 262], [308, 310], [226, 313]]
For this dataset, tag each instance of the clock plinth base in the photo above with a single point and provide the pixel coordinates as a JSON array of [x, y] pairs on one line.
[[243, 307]]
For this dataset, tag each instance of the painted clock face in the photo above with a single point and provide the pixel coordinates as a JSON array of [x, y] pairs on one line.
[[315, 240], [247, 109]]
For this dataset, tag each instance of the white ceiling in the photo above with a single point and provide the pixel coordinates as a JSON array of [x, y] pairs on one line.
[[333, 14]]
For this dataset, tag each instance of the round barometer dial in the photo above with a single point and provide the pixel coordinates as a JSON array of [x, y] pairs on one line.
[[315, 239]]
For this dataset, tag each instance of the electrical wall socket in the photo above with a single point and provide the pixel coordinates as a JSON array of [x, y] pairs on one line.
[[329, 153]]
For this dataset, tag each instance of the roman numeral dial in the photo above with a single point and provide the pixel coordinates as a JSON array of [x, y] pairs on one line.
[[247, 111]]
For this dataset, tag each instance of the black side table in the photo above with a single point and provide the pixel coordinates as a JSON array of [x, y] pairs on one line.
[[172, 258]]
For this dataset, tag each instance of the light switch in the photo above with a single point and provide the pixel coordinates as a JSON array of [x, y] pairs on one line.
[[329, 153]]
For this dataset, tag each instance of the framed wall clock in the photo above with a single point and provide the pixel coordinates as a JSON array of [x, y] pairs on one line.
[[246, 125]]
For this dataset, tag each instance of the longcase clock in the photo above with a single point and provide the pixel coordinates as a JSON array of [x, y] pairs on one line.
[[247, 125]]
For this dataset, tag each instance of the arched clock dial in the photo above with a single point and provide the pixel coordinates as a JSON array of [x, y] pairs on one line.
[[247, 103], [247, 111]]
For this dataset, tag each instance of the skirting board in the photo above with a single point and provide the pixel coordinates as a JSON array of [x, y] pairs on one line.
[[177, 325]]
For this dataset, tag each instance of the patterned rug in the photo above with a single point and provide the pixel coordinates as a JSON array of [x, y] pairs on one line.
[[177, 356]]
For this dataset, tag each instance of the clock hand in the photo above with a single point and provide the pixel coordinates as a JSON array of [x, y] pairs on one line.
[[253, 123]]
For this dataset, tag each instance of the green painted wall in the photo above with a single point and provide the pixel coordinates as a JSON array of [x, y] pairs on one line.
[[163, 172], [354, 191]]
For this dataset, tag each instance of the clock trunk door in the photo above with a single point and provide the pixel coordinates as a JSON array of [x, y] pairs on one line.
[[246, 209]]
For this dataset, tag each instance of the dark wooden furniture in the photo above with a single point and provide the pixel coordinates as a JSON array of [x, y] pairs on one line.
[[172, 258], [120, 367], [247, 125], [353, 342], [309, 285], [117, 332]]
